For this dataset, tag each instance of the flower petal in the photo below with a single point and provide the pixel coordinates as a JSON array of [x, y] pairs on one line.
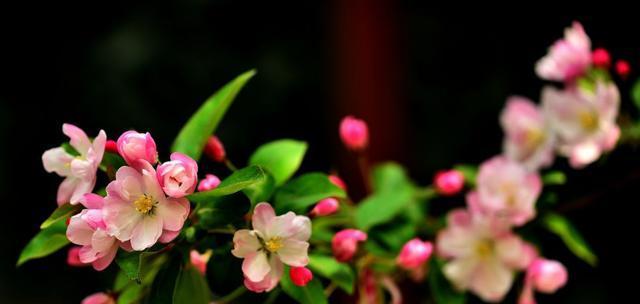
[[146, 233], [256, 266], [294, 253], [263, 214], [57, 160], [78, 231], [245, 242], [173, 212], [78, 139]]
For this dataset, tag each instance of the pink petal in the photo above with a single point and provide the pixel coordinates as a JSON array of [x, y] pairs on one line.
[[78, 231], [255, 266], [65, 190], [92, 201], [78, 139], [173, 212], [245, 242], [146, 233], [294, 253], [263, 215], [57, 160]]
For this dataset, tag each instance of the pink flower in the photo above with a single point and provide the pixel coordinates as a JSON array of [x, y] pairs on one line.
[[545, 276], [568, 58], [345, 243], [134, 146], [273, 241], [414, 254], [505, 189], [623, 68], [336, 180], [178, 177], [215, 149], [88, 230], [99, 298], [325, 207], [210, 182], [200, 260], [482, 255], [528, 138], [79, 171], [73, 257], [584, 121], [354, 133], [137, 210], [601, 58], [448, 182], [300, 276]]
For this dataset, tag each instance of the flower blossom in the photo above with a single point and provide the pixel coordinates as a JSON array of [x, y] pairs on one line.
[[545, 276], [448, 182], [506, 190], [414, 254], [178, 177], [273, 241], [528, 137], [584, 120], [79, 171], [200, 260], [482, 255], [209, 182], [89, 230], [345, 243], [137, 210], [133, 146], [568, 58], [300, 276], [325, 207]]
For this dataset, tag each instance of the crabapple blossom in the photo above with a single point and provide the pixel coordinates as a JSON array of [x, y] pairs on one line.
[[99, 298], [325, 207], [273, 241], [200, 260], [133, 146], [73, 257], [528, 137], [354, 133], [79, 171], [448, 182], [568, 58], [300, 276], [178, 177], [215, 149], [89, 230], [137, 210], [482, 254], [506, 190], [414, 254], [584, 120], [210, 182], [543, 275], [345, 243]]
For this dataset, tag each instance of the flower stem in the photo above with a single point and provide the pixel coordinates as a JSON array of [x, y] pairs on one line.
[[233, 295]]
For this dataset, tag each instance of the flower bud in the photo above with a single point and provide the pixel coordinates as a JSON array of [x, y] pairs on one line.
[[449, 182], [326, 207], [623, 68], [414, 254], [73, 257], [354, 133], [345, 243], [547, 275], [300, 275], [215, 149], [99, 298], [199, 261], [134, 146], [178, 177], [336, 180], [210, 182], [601, 58], [111, 146]]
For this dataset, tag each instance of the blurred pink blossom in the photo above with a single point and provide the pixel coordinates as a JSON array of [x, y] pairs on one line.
[[300, 276], [345, 243], [354, 133], [325, 207], [601, 58], [209, 182], [545, 276], [414, 254], [449, 182], [200, 260], [568, 58], [178, 177], [99, 298]]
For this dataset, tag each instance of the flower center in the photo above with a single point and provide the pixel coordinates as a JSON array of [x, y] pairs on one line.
[[534, 138], [588, 120], [274, 244], [484, 248], [144, 204]]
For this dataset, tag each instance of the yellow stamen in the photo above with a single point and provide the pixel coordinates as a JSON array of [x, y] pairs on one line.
[[274, 244], [588, 120], [534, 138], [144, 204], [484, 248]]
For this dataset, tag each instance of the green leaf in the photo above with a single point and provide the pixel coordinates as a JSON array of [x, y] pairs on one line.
[[70, 149], [191, 287], [262, 190], [46, 242], [281, 158], [65, 211], [469, 172], [382, 207], [327, 266], [131, 263], [237, 181], [304, 191], [389, 177], [554, 178], [561, 227], [193, 136], [222, 211], [442, 291], [635, 94], [162, 289], [313, 293]]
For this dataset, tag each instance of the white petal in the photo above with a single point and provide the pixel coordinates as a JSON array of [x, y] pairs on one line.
[[294, 253], [146, 233], [256, 266], [244, 243]]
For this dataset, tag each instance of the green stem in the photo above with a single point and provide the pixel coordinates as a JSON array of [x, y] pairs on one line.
[[273, 296], [233, 295], [229, 164]]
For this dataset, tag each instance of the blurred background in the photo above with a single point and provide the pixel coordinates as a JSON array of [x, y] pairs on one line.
[[430, 86]]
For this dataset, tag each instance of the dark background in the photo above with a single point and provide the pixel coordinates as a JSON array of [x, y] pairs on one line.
[[430, 86]]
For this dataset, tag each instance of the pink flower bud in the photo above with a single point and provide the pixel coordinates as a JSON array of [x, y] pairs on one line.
[[210, 182], [300, 275], [179, 176], [601, 58], [449, 182], [134, 146], [547, 275], [325, 207], [73, 257], [414, 253], [199, 261], [345, 243], [99, 298], [215, 149], [623, 68], [336, 180], [111, 146], [354, 133]]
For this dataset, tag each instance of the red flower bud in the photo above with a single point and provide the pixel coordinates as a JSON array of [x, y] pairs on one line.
[[300, 275], [215, 149]]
